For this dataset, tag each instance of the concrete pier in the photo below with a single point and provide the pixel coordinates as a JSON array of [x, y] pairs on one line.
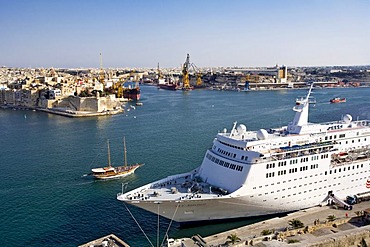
[[110, 240], [74, 114], [317, 230], [348, 229]]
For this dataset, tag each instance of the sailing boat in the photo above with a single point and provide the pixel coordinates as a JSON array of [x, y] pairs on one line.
[[117, 171]]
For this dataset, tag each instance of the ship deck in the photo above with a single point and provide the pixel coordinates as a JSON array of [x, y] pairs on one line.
[[175, 189]]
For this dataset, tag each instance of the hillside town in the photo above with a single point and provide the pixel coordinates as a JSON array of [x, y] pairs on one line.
[[82, 92]]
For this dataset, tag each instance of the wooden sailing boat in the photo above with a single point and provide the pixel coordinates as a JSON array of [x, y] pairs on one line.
[[117, 171]]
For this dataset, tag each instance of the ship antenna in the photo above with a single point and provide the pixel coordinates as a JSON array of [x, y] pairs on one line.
[[109, 164], [233, 129], [309, 92]]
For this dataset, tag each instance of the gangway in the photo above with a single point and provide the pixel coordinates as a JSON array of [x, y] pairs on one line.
[[331, 199]]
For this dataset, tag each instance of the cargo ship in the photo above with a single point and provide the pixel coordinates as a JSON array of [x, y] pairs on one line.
[[167, 85], [131, 90]]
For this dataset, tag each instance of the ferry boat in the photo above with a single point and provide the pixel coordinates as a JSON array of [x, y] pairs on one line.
[[110, 171], [250, 173]]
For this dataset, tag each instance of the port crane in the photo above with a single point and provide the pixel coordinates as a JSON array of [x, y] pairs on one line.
[[160, 76], [185, 74], [101, 72], [199, 75]]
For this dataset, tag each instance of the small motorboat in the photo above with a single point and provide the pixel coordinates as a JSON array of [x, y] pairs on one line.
[[338, 100]]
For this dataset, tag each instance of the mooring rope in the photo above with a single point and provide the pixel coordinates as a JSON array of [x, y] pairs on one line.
[[138, 225], [169, 226]]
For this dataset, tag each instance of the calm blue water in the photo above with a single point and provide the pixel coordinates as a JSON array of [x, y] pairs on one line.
[[45, 200]]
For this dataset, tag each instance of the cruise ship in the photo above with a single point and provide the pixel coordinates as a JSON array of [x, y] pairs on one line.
[[250, 173]]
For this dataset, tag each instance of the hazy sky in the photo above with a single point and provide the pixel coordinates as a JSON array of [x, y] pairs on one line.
[[141, 33]]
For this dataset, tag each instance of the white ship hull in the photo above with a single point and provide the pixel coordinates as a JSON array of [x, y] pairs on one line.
[[252, 173], [263, 202]]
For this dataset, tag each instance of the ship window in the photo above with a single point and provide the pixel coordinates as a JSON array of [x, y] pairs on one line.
[[362, 165], [326, 173], [340, 170]]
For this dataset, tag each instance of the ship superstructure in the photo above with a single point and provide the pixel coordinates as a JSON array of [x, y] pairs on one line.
[[250, 173]]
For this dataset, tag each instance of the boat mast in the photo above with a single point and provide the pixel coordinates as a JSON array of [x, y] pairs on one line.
[[109, 164], [124, 152]]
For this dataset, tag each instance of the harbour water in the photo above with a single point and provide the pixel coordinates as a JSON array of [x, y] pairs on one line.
[[46, 199]]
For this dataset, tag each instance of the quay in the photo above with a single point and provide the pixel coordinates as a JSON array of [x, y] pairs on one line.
[[110, 240], [348, 229], [66, 112], [74, 114]]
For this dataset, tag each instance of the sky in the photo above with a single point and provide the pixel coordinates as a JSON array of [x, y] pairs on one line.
[[216, 33]]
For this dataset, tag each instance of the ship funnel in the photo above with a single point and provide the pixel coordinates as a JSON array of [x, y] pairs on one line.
[[301, 117]]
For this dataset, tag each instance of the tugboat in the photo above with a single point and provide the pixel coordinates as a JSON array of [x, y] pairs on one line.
[[115, 172], [338, 100]]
